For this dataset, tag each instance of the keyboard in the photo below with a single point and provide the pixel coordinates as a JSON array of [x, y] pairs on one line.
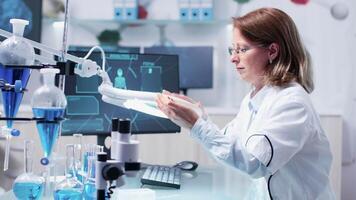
[[162, 176]]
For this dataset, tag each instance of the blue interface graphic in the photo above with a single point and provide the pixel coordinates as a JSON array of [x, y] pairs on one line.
[[86, 113]]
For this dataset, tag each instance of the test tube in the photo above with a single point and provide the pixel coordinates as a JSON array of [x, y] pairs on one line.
[[7, 152], [78, 148], [8, 132]]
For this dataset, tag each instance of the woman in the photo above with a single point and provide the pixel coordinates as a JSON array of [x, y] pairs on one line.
[[276, 137]]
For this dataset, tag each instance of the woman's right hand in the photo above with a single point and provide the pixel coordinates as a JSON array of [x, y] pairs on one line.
[[179, 96], [177, 112], [199, 104]]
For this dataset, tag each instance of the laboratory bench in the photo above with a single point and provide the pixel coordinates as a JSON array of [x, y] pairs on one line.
[[215, 183], [168, 149]]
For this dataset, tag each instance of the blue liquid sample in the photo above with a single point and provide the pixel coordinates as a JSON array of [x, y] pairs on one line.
[[89, 191], [68, 194], [48, 130], [11, 99], [86, 163], [28, 190], [80, 176]]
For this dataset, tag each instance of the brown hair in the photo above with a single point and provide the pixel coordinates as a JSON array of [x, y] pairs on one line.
[[270, 25]]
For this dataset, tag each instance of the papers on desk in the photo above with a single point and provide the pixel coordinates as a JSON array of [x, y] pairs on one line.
[[135, 194]]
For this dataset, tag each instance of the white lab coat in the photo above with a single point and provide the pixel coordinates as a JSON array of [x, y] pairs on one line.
[[277, 139]]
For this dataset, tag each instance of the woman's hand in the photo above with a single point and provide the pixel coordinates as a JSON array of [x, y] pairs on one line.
[[180, 115]]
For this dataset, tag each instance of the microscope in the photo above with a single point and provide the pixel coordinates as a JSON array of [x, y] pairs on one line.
[[123, 148], [107, 171]]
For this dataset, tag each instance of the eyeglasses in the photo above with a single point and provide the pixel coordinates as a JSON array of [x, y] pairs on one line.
[[242, 50]]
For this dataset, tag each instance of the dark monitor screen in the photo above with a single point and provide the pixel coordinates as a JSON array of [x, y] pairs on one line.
[[195, 65], [86, 113], [118, 49], [30, 10], [36, 23]]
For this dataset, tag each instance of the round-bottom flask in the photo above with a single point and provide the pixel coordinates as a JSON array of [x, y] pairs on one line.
[[28, 186]]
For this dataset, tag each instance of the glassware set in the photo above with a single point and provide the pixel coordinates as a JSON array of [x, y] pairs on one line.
[[28, 186]]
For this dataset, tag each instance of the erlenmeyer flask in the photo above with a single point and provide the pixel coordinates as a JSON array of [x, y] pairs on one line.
[[48, 104], [70, 187], [28, 186]]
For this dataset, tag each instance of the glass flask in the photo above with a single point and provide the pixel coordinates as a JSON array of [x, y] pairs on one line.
[[70, 188], [89, 192], [78, 152], [28, 186], [14, 51], [48, 105]]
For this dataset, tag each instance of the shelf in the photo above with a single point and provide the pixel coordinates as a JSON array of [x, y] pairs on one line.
[[141, 22], [93, 24]]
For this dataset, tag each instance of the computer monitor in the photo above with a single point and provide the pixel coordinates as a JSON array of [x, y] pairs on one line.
[[195, 64], [36, 23], [86, 113], [118, 49]]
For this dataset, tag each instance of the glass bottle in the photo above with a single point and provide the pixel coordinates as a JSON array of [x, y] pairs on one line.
[[70, 188], [48, 104], [28, 185], [78, 154], [89, 192]]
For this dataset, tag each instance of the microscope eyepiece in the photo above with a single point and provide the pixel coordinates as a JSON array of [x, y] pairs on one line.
[[125, 126], [102, 157]]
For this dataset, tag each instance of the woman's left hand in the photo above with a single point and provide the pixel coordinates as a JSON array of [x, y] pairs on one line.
[[180, 115]]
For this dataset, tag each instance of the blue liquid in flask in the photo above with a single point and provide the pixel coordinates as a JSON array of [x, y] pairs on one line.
[[49, 128], [67, 194], [11, 106], [28, 190], [89, 191], [11, 99]]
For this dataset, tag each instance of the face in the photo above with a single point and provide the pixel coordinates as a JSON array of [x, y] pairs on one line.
[[119, 72], [251, 61]]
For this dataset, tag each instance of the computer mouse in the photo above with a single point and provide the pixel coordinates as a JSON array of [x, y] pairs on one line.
[[187, 165]]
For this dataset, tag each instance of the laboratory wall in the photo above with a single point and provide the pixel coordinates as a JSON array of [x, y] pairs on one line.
[[330, 41]]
